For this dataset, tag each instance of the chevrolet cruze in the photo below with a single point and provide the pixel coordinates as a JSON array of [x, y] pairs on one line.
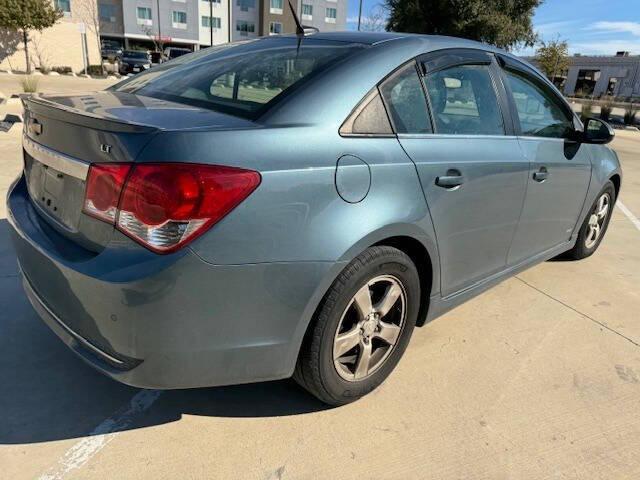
[[295, 205]]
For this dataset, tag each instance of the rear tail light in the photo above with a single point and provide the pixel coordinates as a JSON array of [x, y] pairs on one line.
[[104, 185], [163, 206]]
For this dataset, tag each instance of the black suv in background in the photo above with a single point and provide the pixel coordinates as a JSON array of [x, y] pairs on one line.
[[134, 61]]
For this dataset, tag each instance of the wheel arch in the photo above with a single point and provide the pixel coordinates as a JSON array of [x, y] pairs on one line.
[[617, 183], [408, 238], [419, 255]]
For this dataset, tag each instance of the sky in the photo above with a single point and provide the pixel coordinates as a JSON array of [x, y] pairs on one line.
[[593, 27]]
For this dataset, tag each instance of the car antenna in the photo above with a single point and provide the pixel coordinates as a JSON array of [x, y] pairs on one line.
[[300, 29]]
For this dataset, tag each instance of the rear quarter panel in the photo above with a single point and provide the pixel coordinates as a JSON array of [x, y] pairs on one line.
[[296, 214]]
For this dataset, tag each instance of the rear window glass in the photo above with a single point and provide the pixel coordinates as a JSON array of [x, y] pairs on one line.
[[135, 54], [240, 79]]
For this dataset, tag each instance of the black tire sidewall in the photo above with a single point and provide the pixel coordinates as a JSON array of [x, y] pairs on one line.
[[401, 267]]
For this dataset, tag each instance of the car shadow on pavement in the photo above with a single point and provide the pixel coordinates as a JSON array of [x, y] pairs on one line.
[[47, 393]]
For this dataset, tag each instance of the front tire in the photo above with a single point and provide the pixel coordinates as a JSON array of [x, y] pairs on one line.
[[361, 328], [595, 224]]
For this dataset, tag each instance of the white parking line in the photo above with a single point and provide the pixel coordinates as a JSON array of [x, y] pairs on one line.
[[628, 214], [85, 449]]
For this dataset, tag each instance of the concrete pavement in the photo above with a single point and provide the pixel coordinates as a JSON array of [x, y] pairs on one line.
[[537, 378]]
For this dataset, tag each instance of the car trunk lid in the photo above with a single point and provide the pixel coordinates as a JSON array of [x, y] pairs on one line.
[[64, 134]]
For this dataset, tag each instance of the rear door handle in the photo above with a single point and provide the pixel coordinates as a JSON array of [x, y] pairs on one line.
[[541, 175], [452, 179]]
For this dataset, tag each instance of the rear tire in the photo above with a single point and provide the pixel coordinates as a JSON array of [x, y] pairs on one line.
[[595, 224], [361, 328]]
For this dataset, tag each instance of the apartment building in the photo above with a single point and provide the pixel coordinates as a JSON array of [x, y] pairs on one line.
[[325, 15], [213, 21], [196, 23], [150, 23]]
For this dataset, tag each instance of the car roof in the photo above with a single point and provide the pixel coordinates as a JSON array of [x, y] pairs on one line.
[[376, 38], [425, 43]]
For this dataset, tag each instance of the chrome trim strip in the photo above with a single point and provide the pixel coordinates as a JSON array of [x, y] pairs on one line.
[[56, 160], [33, 295]]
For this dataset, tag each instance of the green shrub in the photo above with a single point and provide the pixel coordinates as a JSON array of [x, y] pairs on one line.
[[29, 84], [62, 70], [95, 70], [630, 114], [587, 110], [605, 110]]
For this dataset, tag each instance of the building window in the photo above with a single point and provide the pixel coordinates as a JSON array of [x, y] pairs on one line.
[[330, 15], [179, 19], [216, 22], [307, 12], [275, 28], [245, 5], [63, 5], [276, 7], [245, 28], [107, 12], [144, 16]]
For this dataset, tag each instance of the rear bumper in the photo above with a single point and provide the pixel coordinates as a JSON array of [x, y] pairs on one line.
[[171, 321]]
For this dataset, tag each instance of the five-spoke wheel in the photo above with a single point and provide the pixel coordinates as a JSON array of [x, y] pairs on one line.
[[595, 224], [369, 327], [597, 219], [361, 327]]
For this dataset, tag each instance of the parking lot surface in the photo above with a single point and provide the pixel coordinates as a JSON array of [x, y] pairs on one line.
[[537, 378]]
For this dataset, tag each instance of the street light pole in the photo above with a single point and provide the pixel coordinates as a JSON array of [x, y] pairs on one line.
[[229, 20], [359, 15], [159, 32], [211, 22]]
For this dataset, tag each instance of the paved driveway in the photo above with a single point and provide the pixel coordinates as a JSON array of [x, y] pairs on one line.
[[537, 378]]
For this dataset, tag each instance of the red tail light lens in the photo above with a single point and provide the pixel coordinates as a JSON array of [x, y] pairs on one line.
[[163, 206], [104, 185]]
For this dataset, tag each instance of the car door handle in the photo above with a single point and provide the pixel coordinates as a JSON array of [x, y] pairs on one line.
[[452, 179], [541, 175]]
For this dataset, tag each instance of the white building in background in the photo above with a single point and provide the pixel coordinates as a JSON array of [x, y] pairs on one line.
[[245, 17], [192, 23], [218, 12]]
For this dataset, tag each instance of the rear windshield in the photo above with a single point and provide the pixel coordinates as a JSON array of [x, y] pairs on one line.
[[135, 54], [241, 79]]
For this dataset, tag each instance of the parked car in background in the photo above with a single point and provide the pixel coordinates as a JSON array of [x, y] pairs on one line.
[[110, 50], [134, 61], [174, 52], [156, 58], [295, 205]]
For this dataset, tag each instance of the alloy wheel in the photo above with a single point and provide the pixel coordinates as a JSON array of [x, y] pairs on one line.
[[597, 220], [370, 328]]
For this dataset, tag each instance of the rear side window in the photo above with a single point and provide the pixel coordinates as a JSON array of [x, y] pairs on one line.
[[405, 101], [369, 118], [540, 112], [240, 79], [464, 101]]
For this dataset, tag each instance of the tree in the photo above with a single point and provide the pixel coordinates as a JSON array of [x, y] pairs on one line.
[[553, 57], [90, 16], [158, 42], [25, 15], [504, 23], [375, 20]]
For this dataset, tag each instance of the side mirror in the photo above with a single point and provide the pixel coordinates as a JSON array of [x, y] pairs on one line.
[[597, 131]]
